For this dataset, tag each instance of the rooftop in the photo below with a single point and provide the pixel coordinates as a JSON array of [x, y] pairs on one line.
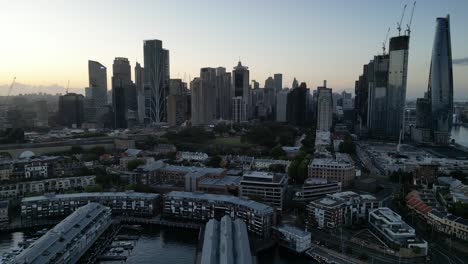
[[226, 180], [86, 195], [263, 208], [62, 236], [293, 230]]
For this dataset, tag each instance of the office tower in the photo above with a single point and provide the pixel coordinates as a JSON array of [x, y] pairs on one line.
[[178, 103], [324, 108], [281, 105], [377, 78], [257, 102], [240, 81], [396, 90], [123, 93], [269, 98], [88, 93], [97, 74], [42, 113], [255, 85], [238, 109], [278, 77], [346, 101], [440, 88], [202, 110], [156, 85], [295, 83], [70, 112], [297, 103], [223, 94], [361, 98], [140, 91]]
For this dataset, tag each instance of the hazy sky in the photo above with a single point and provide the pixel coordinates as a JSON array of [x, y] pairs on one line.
[[46, 42]]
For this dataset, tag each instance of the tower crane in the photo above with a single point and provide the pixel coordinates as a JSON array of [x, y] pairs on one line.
[[401, 20], [408, 26], [11, 86], [384, 44]]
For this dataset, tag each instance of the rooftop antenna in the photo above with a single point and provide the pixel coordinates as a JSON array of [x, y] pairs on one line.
[[68, 85], [401, 20], [408, 26], [384, 44]]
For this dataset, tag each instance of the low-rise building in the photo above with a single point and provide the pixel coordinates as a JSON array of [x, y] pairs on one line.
[[70, 239], [225, 185], [164, 149], [226, 241], [192, 156], [6, 170], [341, 169], [20, 189], [344, 208], [264, 164], [315, 188], [4, 211], [36, 170], [389, 226], [292, 238], [202, 207], [121, 203], [448, 224], [265, 186]]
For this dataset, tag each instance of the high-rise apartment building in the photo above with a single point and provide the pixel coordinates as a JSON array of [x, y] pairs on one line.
[[97, 74], [278, 77], [156, 85], [324, 108], [377, 83], [178, 103], [223, 94]]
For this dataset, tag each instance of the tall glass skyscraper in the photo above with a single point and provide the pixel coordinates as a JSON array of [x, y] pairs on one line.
[[440, 88], [156, 74], [97, 83], [396, 90]]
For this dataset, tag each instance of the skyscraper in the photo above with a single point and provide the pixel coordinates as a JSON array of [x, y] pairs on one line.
[[297, 104], [324, 108], [278, 77], [440, 88], [139, 84], [123, 92], [178, 103], [156, 84], [202, 107], [97, 74], [281, 105], [377, 83], [223, 94], [70, 112], [396, 92], [240, 80]]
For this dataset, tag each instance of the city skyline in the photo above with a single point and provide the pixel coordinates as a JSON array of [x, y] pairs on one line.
[[285, 38]]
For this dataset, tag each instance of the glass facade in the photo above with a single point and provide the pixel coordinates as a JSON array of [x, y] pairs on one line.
[[441, 82]]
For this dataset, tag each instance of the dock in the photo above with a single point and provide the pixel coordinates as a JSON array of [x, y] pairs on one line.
[[158, 221]]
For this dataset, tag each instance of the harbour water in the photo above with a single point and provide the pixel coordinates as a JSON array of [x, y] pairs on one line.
[[460, 135]]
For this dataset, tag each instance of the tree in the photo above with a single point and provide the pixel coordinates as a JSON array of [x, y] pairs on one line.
[[277, 152], [133, 164], [302, 171], [277, 168], [347, 146], [94, 188], [76, 150], [293, 170], [349, 250], [214, 161], [459, 209]]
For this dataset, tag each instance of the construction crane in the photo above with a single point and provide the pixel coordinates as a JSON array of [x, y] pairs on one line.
[[384, 44], [401, 20], [408, 26], [11, 86]]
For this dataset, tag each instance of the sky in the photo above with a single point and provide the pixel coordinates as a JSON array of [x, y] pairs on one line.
[[47, 43]]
